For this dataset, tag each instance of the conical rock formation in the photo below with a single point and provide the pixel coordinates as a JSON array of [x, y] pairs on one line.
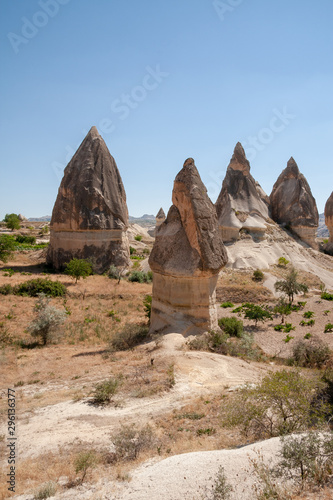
[[160, 217], [90, 216], [186, 258], [242, 203], [293, 205]]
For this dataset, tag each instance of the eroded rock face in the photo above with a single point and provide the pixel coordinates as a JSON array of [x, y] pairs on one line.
[[186, 258], [329, 223], [90, 216], [242, 203], [293, 205]]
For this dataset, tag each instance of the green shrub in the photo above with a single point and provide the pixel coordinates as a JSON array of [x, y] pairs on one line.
[[104, 391], [288, 339], [47, 320], [138, 237], [290, 286], [147, 301], [327, 296], [312, 354], [12, 221], [132, 250], [328, 328], [83, 462], [308, 314], [231, 326], [141, 277], [47, 490], [30, 240], [130, 336], [258, 275], [277, 406], [78, 268], [114, 273], [221, 489], [130, 441], [227, 304], [279, 328], [288, 327], [282, 308], [7, 246], [282, 262], [307, 336], [6, 289], [41, 285]]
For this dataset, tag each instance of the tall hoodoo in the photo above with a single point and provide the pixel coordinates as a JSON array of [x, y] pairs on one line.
[[329, 223], [293, 205], [90, 216], [160, 217], [186, 258], [242, 203]]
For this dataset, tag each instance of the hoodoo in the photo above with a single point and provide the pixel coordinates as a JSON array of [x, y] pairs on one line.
[[90, 216], [187, 256], [242, 203], [329, 223], [293, 205]]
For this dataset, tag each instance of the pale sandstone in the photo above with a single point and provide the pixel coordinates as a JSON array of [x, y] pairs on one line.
[[329, 223]]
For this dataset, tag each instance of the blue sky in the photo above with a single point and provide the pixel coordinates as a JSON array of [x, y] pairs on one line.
[[162, 81]]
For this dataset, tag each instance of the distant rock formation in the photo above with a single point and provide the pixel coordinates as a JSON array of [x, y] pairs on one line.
[[329, 223], [322, 231], [186, 258], [242, 203], [160, 217], [293, 205], [90, 216], [22, 218]]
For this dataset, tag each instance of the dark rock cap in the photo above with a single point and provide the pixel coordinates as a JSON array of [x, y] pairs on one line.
[[188, 241], [160, 214], [91, 194], [291, 199]]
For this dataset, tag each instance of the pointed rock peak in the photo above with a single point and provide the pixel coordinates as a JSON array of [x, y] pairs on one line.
[[292, 169], [160, 214], [189, 162], [189, 175], [239, 160], [93, 133]]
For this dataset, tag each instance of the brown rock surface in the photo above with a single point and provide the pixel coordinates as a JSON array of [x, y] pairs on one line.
[[292, 203], [242, 203], [329, 223], [160, 217], [186, 258], [90, 216]]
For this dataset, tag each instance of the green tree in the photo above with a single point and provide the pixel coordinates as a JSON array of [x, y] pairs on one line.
[[78, 268], [290, 286], [256, 313], [12, 221], [279, 405], [7, 246], [282, 308]]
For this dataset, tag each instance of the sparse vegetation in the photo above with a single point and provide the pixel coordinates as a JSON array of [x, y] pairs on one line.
[[147, 301], [231, 326], [83, 462], [308, 314], [256, 313], [129, 441], [311, 354], [141, 277], [283, 262], [47, 490], [221, 489], [128, 337], [227, 304], [29, 240], [34, 287], [104, 391], [328, 328], [7, 246], [78, 268], [258, 275], [282, 308], [138, 237], [12, 221], [326, 296]]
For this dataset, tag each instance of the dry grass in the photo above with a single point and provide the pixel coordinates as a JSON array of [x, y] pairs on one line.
[[239, 287]]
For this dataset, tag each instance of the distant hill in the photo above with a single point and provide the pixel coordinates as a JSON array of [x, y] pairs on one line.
[[143, 217], [322, 228], [46, 218]]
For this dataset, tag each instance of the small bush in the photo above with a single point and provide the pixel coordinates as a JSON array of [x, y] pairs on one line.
[[130, 336], [138, 237], [221, 489], [288, 339], [6, 289], [113, 272], [307, 336], [256, 313], [47, 490], [313, 354], [231, 326], [29, 240], [132, 250], [83, 462], [34, 287], [258, 275], [78, 268], [327, 296], [130, 441], [328, 328], [104, 391], [279, 328], [282, 262], [288, 327], [308, 314], [141, 277], [7, 246], [47, 321], [227, 304]]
